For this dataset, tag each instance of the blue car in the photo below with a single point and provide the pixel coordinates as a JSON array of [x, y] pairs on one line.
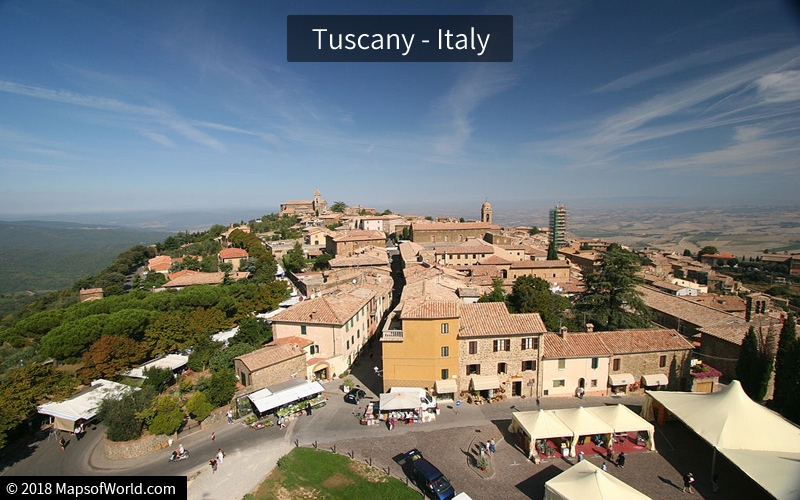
[[428, 478]]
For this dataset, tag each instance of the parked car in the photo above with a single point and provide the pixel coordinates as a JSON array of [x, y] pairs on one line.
[[428, 478], [354, 396]]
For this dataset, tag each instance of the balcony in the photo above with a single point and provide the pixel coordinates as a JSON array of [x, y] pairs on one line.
[[392, 336]]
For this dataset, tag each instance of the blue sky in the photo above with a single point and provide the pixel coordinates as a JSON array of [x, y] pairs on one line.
[[113, 106]]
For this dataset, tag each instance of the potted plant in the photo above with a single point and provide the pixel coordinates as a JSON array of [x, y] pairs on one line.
[[482, 462]]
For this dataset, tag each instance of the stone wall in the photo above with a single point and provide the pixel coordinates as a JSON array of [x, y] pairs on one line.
[[488, 359], [217, 417], [273, 374], [647, 363], [132, 449]]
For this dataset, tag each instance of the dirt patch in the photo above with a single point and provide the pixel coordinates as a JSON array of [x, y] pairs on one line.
[[371, 474], [336, 481], [296, 494]]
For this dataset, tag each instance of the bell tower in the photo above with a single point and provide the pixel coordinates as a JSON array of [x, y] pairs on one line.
[[486, 212]]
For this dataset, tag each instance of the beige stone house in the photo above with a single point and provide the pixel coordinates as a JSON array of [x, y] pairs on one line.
[[270, 365]]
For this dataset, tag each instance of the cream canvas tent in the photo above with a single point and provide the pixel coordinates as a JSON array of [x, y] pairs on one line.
[[542, 424], [400, 401], [761, 443], [82, 406], [622, 419], [584, 481], [582, 423]]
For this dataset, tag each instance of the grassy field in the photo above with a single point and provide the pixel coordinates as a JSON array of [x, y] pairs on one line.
[[308, 473]]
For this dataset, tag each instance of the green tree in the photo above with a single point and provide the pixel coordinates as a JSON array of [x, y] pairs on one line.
[[610, 299], [534, 230], [198, 406], [294, 261], [552, 252], [322, 262], [164, 416], [532, 295], [119, 413], [204, 350], [26, 387], [223, 360], [707, 250], [167, 333], [338, 206], [252, 331], [497, 294], [220, 387], [687, 253], [787, 369], [754, 367], [158, 378]]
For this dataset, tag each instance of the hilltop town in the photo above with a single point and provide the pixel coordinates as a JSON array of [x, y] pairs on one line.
[[264, 321]]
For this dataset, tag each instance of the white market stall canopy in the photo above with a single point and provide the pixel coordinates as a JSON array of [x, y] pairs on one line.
[[583, 423], [542, 424], [761, 443], [82, 406], [284, 393], [485, 382], [654, 379], [584, 481], [171, 361], [400, 401], [620, 379], [446, 386], [623, 419]]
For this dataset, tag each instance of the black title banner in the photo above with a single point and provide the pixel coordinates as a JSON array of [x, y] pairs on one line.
[[400, 39]]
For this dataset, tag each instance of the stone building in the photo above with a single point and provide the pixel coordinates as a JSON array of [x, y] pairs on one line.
[[233, 256], [449, 232], [302, 207], [654, 358], [352, 242], [486, 212], [87, 294], [270, 365]]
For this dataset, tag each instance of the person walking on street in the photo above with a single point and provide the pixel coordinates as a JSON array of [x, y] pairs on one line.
[[213, 463], [78, 433], [580, 456], [621, 460], [221, 456], [491, 446], [581, 391], [688, 479], [230, 417], [308, 408], [213, 437], [62, 443]]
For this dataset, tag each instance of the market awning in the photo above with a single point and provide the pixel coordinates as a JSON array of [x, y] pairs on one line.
[[400, 401], [655, 379], [171, 361], [82, 406], [446, 387], [485, 382], [620, 379], [585, 481], [265, 400]]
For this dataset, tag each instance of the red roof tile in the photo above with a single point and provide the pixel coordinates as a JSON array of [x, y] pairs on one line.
[[493, 318], [233, 253]]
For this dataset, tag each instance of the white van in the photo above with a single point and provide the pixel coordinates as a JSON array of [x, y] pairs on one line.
[[428, 401]]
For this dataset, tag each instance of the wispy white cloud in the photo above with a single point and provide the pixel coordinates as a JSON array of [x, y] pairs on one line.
[[159, 138], [780, 87]]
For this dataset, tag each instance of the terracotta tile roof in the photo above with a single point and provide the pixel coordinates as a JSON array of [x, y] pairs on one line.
[[645, 340], [233, 253], [684, 309], [493, 318], [182, 273], [727, 303], [452, 226], [361, 260], [463, 249], [358, 235], [734, 332], [513, 247], [334, 309], [158, 259], [161, 266], [203, 279], [298, 202], [573, 345], [494, 260], [540, 264], [270, 355], [292, 340], [426, 308]]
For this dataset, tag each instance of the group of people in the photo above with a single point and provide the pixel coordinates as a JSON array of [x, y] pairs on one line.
[[217, 460], [489, 447]]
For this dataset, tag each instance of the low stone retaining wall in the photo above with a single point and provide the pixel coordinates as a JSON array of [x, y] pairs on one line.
[[217, 417], [132, 449]]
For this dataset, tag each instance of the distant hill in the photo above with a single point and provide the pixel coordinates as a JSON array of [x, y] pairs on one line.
[[50, 255]]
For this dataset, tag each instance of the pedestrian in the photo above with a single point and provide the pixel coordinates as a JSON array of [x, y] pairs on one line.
[[213, 463], [604, 466], [230, 417], [537, 400], [482, 448], [580, 456], [688, 479], [77, 433], [62, 443], [308, 408], [715, 483], [621, 460], [581, 391], [221, 455], [491, 446], [213, 437], [281, 422]]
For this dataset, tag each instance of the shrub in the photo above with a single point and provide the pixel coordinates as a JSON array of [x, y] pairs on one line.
[[198, 406]]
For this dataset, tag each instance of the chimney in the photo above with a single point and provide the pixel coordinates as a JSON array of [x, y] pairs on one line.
[[589, 328], [562, 331]]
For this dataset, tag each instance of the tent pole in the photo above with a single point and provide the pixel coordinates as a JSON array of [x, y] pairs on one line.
[[714, 462]]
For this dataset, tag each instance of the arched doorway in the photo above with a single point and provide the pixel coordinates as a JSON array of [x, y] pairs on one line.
[[322, 371]]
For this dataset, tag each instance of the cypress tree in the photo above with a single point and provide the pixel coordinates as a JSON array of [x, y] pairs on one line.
[[748, 359], [786, 365], [552, 253]]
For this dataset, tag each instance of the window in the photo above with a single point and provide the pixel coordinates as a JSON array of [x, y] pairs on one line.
[[243, 376], [348, 345], [662, 361], [530, 343], [502, 345], [473, 369], [559, 383], [347, 327], [473, 347], [445, 374], [501, 368], [352, 340], [303, 330], [595, 363], [445, 328], [593, 382], [616, 364], [445, 351], [358, 334], [529, 365], [562, 364]]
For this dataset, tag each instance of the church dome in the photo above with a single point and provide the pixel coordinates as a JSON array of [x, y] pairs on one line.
[[486, 204], [316, 193]]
